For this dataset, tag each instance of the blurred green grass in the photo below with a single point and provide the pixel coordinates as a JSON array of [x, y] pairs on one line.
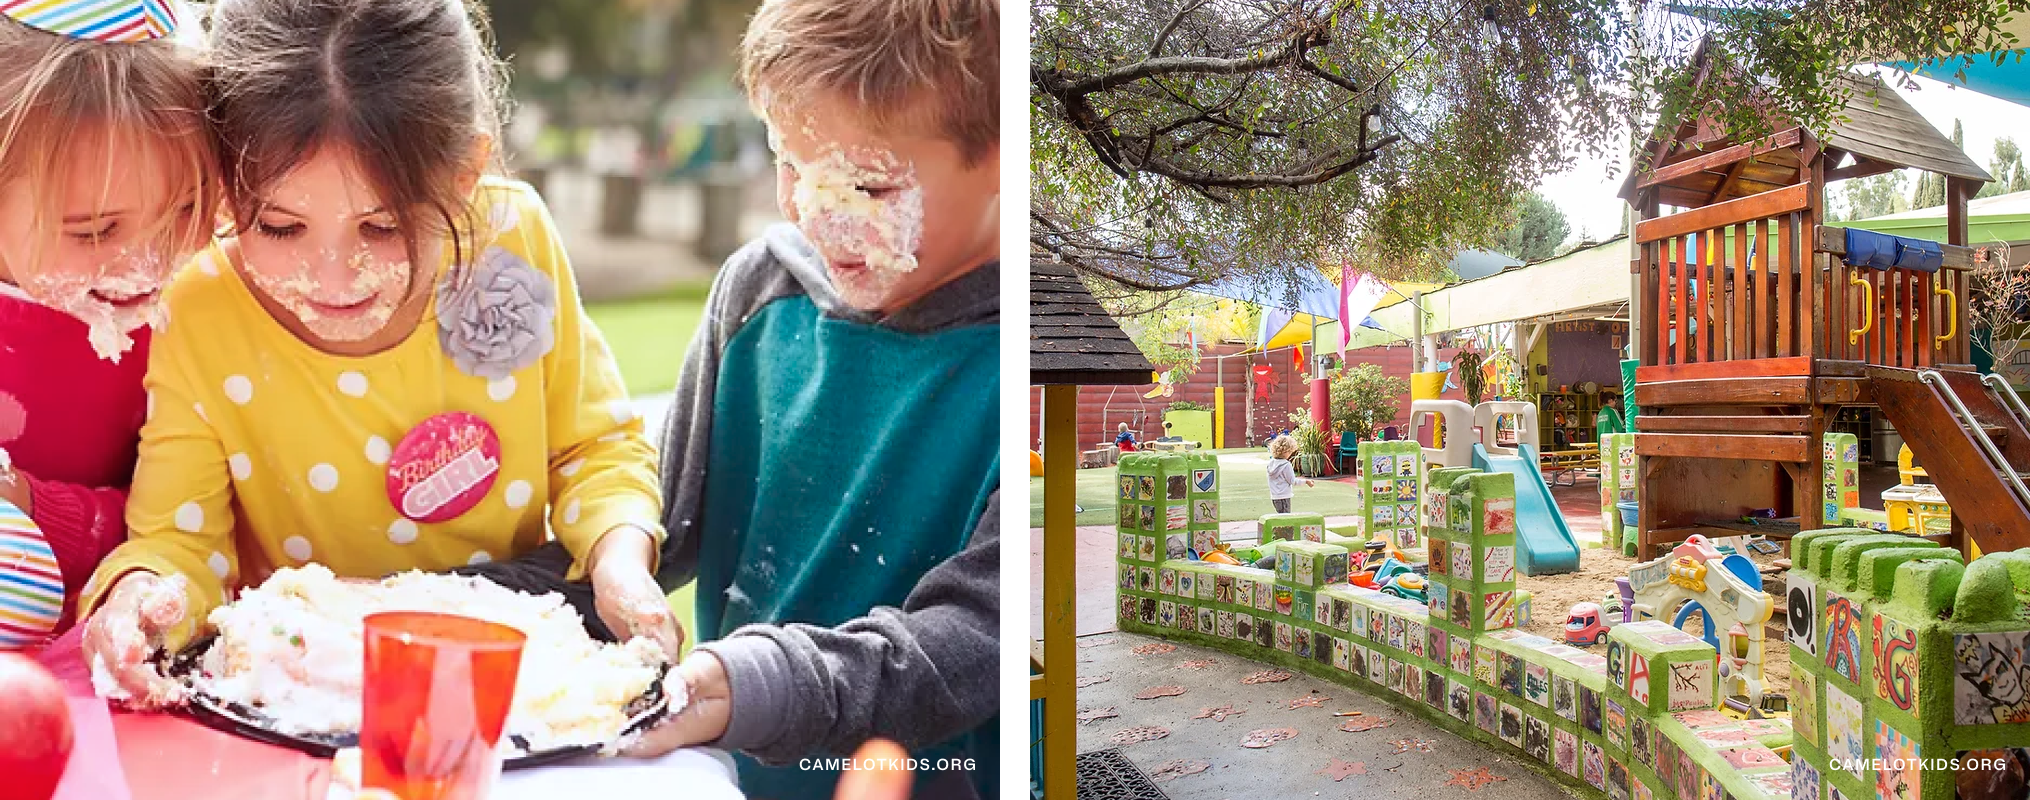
[[648, 336], [1243, 491]]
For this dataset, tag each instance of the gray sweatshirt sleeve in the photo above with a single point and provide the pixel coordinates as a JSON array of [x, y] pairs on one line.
[[919, 674]]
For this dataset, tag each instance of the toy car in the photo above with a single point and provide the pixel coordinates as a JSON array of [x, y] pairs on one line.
[[1587, 624]]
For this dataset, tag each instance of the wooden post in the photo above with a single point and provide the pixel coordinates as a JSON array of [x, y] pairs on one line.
[[1060, 537]]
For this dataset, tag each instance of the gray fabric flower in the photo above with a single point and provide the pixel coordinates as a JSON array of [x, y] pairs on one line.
[[496, 319]]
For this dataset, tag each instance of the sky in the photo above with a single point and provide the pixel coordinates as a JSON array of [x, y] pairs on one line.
[[1586, 193]]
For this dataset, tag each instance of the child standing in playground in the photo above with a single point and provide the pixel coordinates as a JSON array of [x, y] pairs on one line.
[[104, 172], [1283, 476]]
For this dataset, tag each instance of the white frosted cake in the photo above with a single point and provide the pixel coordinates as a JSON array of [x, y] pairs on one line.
[[293, 649]]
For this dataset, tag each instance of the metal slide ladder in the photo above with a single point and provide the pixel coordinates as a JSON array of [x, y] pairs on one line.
[[1967, 422]]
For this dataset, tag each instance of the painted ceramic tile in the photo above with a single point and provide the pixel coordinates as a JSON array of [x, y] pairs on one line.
[[1187, 618], [1146, 489], [1434, 689], [1616, 722], [1462, 560], [1511, 673], [1406, 466], [1187, 584], [1148, 610], [1306, 570], [1640, 791], [1265, 635], [1223, 588], [1226, 624], [1395, 676], [1145, 548], [1378, 625], [1434, 510], [1377, 667], [1500, 564], [1342, 658], [1462, 655], [1710, 789], [1178, 486], [1205, 511], [1500, 609], [1168, 581], [1589, 708], [1689, 776], [1312, 533], [1722, 738], [1511, 725], [1413, 681], [1499, 515], [1413, 638], [1537, 684], [1895, 653], [1166, 614], [1128, 546], [1175, 545], [1991, 678], [1127, 487], [1461, 612], [1207, 619], [1385, 487], [1691, 685], [1147, 576], [1437, 643], [1595, 764], [1395, 632], [1537, 739], [1440, 598], [1125, 516], [1565, 749], [1384, 465], [1286, 598], [1485, 710], [1128, 609], [1484, 660], [1641, 740], [1896, 773], [1844, 737], [1244, 592], [1804, 780], [1406, 488], [1356, 659], [1342, 614], [1617, 780], [1459, 700], [1638, 679], [1204, 480], [1300, 642], [1565, 697], [1843, 636], [1751, 757], [1265, 596], [1244, 627], [1801, 602]]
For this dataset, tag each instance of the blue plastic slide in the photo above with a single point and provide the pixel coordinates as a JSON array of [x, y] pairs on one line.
[[1544, 546]]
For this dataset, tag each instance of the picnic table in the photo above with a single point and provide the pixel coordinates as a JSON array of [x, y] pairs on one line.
[[1566, 463], [122, 755]]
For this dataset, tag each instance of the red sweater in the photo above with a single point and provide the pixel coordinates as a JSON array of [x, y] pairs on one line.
[[71, 421]]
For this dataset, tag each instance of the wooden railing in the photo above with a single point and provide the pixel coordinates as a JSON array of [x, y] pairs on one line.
[[1752, 279]]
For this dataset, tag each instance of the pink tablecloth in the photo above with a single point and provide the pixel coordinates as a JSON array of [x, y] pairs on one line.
[[128, 756]]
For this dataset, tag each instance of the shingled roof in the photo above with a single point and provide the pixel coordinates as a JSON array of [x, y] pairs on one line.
[[1876, 126], [1071, 339]]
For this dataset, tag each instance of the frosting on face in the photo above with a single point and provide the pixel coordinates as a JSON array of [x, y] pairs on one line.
[[861, 205], [344, 311], [119, 297]]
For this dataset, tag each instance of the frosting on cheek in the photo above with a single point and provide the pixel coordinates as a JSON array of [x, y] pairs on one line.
[[844, 220]]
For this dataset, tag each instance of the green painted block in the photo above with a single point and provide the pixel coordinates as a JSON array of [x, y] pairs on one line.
[[1293, 528], [1840, 474], [1804, 547], [1311, 564], [1391, 475], [1660, 669], [1877, 568], [1844, 566]]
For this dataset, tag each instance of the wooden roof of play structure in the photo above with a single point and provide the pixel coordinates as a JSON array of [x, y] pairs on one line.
[[1698, 164], [1072, 340]]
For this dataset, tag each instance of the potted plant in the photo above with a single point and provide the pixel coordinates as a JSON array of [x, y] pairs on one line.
[[1311, 461], [1364, 399]]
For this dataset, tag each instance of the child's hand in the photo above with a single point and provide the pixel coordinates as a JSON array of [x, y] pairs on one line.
[[701, 683], [882, 774], [126, 631], [627, 597], [1308, 483]]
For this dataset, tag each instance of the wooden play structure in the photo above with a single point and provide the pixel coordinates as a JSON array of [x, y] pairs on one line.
[[1753, 330], [1072, 343]]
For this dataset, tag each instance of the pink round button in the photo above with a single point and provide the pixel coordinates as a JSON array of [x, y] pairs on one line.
[[443, 467]]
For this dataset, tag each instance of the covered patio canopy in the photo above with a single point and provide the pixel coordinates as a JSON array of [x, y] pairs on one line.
[[1588, 282]]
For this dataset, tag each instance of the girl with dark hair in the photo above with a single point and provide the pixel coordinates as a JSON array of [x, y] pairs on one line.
[[393, 370]]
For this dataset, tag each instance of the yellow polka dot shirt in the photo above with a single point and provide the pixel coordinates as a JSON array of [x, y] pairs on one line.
[[261, 451]]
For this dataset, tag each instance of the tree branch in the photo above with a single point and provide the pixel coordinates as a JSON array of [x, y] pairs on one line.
[[1156, 49]]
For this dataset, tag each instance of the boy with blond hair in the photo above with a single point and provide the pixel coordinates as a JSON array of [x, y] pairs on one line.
[[848, 586]]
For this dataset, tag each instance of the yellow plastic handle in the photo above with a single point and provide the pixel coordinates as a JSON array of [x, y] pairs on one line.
[[1867, 317], [1952, 318]]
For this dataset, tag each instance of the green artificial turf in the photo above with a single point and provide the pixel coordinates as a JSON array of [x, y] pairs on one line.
[[1243, 492], [648, 335]]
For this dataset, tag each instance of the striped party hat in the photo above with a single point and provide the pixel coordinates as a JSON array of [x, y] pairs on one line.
[[31, 587], [98, 20]]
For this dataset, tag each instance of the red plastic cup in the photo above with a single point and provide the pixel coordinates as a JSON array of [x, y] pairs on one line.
[[438, 689]]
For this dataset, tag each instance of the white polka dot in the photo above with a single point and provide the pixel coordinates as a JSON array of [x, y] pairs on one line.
[[297, 547], [479, 557], [501, 389], [324, 477], [352, 383], [200, 411], [571, 468], [402, 531], [571, 512], [613, 437], [517, 494], [622, 411], [377, 450], [243, 467], [190, 518], [239, 389], [219, 565]]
